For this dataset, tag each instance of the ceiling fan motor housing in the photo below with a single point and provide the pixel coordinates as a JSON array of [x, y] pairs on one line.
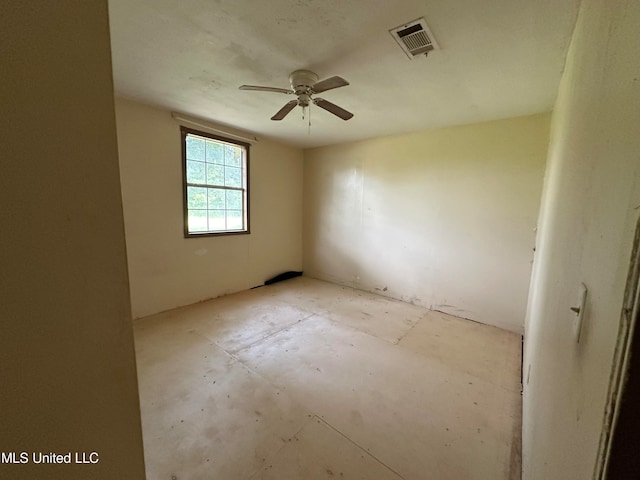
[[302, 81]]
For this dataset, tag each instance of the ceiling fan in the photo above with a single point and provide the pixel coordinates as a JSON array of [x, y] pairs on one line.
[[305, 84]]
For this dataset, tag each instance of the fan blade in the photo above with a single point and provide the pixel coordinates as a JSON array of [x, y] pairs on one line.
[[329, 83], [333, 108], [285, 110], [265, 89]]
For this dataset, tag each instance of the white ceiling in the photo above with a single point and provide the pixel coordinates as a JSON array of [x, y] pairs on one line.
[[497, 59]]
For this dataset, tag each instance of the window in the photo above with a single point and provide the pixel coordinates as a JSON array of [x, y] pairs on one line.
[[216, 173]]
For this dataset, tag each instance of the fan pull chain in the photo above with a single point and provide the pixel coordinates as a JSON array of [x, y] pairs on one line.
[[309, 131]]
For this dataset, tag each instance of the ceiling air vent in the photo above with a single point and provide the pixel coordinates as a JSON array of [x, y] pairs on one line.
[[415, 38]]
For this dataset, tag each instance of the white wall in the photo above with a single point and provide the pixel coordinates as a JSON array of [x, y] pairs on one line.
[[67, 367], [167, 270], [442, 218], [588, 216]]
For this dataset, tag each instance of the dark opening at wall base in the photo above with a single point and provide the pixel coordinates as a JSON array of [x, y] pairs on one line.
[[283, 276]]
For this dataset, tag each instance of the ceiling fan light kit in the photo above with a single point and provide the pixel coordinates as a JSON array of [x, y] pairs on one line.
[[305, 84]]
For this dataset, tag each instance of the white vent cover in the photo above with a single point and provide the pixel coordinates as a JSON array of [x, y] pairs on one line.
[[415, 38]]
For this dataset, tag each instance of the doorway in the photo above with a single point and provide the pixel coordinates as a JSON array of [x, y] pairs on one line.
[[618, 457]]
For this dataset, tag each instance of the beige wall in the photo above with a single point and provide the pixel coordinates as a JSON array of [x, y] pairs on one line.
[[441, 218], [588, 215], [67, 367], [165, 269]]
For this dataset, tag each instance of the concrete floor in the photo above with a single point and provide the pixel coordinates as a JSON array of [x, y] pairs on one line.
[[308, 380]]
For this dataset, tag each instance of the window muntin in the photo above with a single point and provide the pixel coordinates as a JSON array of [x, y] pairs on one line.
[[215, 184]]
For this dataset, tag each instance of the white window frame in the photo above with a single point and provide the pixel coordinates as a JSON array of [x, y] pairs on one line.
[[210, 185]]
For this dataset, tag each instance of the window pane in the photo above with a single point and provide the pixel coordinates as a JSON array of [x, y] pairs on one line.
[[195, 172], [234, 219], [234, 200], [232, 156], [215, 174], [233, 177], [197, 220], [216, 220], [215, 152], [195, 148], [196, 197], [216, 198]]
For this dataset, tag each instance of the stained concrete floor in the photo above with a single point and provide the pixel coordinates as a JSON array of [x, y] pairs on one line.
[[308, 380]]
